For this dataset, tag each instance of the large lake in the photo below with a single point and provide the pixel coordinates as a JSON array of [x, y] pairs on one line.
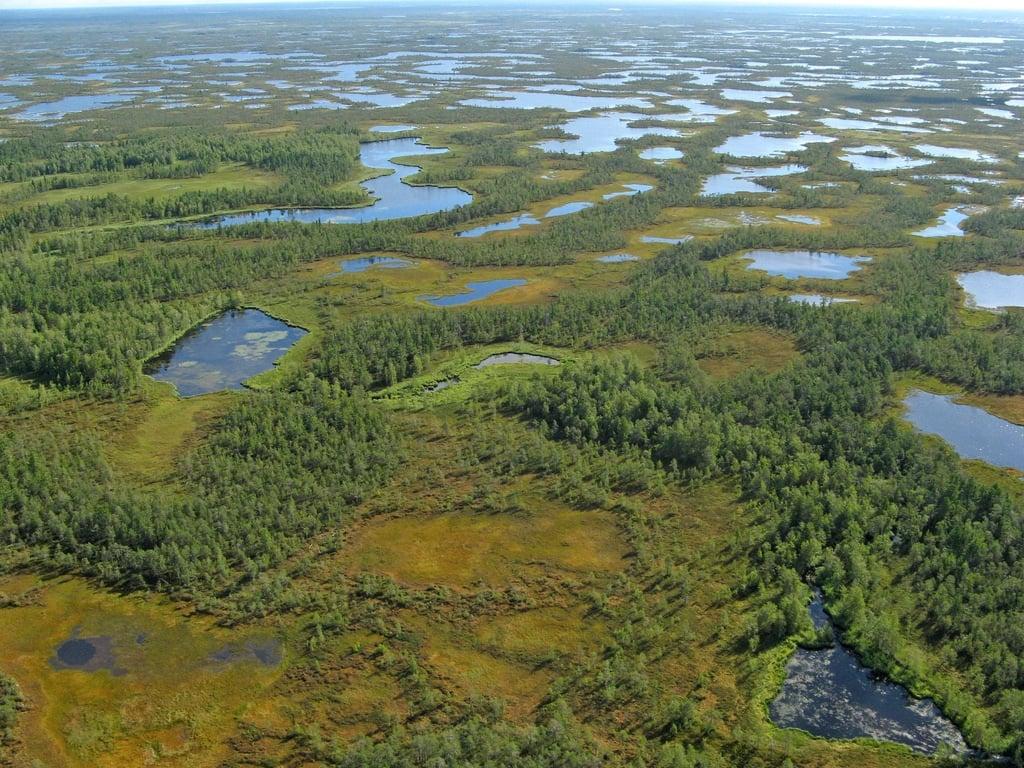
[[224, 352], [394, 198]]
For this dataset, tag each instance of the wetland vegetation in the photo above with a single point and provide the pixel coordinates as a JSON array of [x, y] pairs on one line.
[[500, 390]]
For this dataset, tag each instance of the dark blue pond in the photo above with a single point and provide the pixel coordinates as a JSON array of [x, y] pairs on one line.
[[475, 292], [394, 198], [86, 654], [830, 694], [225, 352]]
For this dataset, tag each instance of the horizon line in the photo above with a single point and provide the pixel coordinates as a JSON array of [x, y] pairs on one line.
[[993, 6]]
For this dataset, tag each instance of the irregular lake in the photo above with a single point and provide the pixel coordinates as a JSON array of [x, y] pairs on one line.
[[948, 226], [762, 145], [514, 358], [474, 292], [830, 694], [956, 153], [395, 199], [742, 179], [371, 262], [697, 111], [224, 352], [973, 432], [794, 264], [992, 290], [56, 110], [516, 222], [601, 133], [757, 97], [529, 220], [874, 158]]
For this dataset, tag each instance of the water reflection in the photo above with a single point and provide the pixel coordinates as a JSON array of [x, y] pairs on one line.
[[394, 198], [795, 264], [830, 694], [474, 292], [992, 290], [225, 352], [602, 133], [948, 226], [973, 432]]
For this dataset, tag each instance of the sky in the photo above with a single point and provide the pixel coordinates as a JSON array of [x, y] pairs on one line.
[[974, 5]]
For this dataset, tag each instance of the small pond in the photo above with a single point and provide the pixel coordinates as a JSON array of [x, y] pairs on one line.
[[516, 358], [87, 654], [830, 694], [374, 262], [992, 290], [224, 352], [661, 154], [617, 258], [797, 218], [973, 432], [948, 226], [516, 222], [474, 292], [568, 208], [795, 264], [628, 191]]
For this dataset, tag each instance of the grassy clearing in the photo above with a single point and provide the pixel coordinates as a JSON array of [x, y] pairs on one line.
[[230, 176], [732, 350], [466, 547], [168, 703]]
